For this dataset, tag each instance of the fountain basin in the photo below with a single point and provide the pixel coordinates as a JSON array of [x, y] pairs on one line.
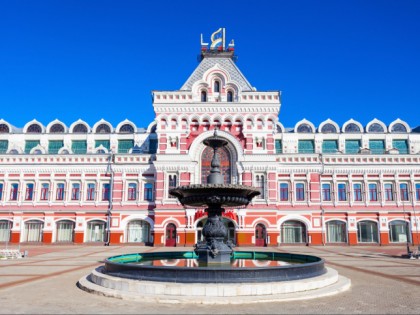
[[135, 266]]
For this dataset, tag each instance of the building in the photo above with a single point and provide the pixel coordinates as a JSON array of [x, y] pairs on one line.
[[325, 184]]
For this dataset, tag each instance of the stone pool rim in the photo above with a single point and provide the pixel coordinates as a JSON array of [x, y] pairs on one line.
[[312, 267]]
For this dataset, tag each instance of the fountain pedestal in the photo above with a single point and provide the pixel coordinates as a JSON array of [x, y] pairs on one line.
[[214, 250]]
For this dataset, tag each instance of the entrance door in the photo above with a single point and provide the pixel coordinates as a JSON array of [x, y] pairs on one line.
[[170, 235], [260, 235]]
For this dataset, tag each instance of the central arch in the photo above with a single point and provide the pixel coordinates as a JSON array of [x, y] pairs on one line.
[[225, 164], [233, 150]]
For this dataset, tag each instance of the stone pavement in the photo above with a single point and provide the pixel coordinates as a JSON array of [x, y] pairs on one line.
[[45, 283]]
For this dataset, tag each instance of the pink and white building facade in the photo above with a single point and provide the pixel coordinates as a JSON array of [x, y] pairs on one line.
[[326, 184]]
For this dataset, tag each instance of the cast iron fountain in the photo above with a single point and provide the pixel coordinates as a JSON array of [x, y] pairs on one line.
[[236, 276], [214, 196]]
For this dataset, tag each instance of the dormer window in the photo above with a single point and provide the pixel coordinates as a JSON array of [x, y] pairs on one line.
[[203, 96], [230, 96], [217, 86]]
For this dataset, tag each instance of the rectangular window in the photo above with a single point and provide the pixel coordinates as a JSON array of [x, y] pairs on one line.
[[329, 146], [124, 146], [148, 191], [45, 191], [132, 191], [153, 144], [306, 146], [389, 194], [377, 146], [326, 192], [418, 191], [260, 185], [14, 189], [172, 184], [352, 146], [1, 191], [60, 192], [284, 192], [404, 192], [300, 192], [357, 192], [373, 192], [75, 191], [54, 146], [4, 145], [90, 194], [29, 194], [79, 146], [105, 192], [104, 143], [30, 144], [279, 146], [401, 146], [342, 192]]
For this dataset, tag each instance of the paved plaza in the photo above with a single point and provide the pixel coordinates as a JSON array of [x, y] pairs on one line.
[[45, 283]]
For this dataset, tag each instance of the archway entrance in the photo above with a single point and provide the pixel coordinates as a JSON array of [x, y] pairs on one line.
[[224, 158], [260, 235], [170, 235]]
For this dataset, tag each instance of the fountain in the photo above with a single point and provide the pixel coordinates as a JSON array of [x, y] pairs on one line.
[[225, 272], [214, 196]]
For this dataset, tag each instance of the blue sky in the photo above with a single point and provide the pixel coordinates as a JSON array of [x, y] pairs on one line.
[[96, 59]]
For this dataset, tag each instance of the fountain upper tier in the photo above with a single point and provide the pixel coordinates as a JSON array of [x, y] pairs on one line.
[[215, 195]]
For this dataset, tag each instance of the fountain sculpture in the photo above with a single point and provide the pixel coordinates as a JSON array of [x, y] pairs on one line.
[[215, 196]]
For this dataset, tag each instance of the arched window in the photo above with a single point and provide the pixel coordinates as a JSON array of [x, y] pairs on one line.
[[293, 231], [127, 128], [203, 96], [230, 96], [352, 128], [34, 128], [138, 231], [103, 128], [4, 128], [57, 128], [217, 86], [398, 127], [304, 128], [65, 231], [375, 127], [33, 231], [5, 230], [80, 128], [367, 232], [224, 158], [95, 231], [399, 231], [328, 128], [336, 232]]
